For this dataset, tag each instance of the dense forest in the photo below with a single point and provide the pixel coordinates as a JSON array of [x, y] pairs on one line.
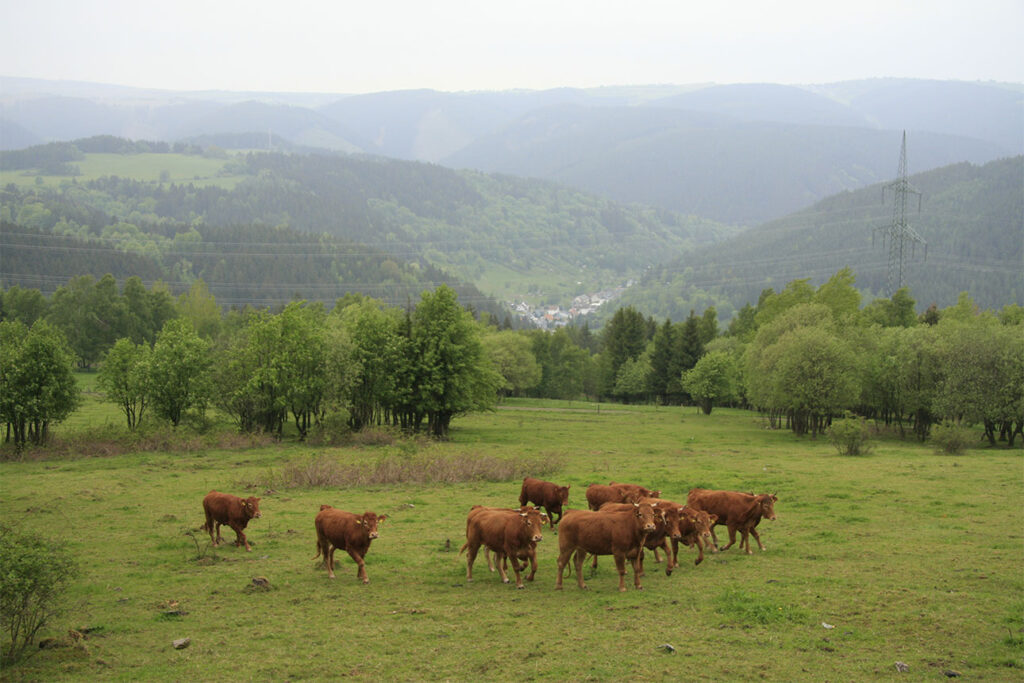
[[519, 236], [803, 356]]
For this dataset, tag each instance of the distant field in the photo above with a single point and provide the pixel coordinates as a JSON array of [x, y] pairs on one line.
[[902, 555], [172, 168]]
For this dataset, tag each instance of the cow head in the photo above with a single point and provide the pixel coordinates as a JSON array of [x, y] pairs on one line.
[[766, 501], [655, 494], [534, 521], [251, 508], [702, 523], [645, 514], [671, 515], [369, 522], [563, 494]]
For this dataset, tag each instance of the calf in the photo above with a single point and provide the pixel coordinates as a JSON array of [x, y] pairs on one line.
[[620, 534], [599, 494], [545, 494], [350, 532], [507, 533], [737, 510], [224, 508], [695, 527]]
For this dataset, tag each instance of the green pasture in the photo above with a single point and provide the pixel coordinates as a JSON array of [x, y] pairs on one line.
[[147, 167], [905, 555]]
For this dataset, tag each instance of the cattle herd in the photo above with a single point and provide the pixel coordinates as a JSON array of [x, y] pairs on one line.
[[622, 520]]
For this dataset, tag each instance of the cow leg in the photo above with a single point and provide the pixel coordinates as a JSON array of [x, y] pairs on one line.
[[563, 559], [620, 567], [732, 538], [490, 560], [361, 574], [669, 561], [219, 540], [700, 551], [714, 536], [330, 563], [240, 538], [533, 565], [578, 562], [515, 567], [499, 560], [757, 537]]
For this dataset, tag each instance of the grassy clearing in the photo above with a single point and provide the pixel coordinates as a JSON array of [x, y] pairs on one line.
[[172, 168], [911, 556]]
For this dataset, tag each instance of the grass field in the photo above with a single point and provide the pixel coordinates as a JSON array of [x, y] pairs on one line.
[[172, 168], [909, 556]]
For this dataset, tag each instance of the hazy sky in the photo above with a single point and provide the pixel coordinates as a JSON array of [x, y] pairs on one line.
[[340, 46]]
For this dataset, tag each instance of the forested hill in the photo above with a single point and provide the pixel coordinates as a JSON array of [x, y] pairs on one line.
[[511, 237], [972, 218]]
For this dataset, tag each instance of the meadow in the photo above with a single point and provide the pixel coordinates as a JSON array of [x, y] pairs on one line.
[[898, 556], [144, 167]]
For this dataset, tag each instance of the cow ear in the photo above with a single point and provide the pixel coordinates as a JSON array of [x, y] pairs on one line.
[[359, 521], [713, 518], [382, 518]]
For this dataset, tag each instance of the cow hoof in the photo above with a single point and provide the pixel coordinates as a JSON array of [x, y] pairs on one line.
[[505, 581], [366, 581], [520, 586]]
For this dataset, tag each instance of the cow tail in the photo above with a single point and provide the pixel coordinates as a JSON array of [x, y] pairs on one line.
[[321, 541]]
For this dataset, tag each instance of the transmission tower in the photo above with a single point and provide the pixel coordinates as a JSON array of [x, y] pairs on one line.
[[899, 233]]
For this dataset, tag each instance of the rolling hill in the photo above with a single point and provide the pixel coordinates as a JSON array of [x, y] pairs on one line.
[[972, 218]]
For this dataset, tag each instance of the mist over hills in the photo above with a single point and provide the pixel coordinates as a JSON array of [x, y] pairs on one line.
[[734, 153], [537, 193]]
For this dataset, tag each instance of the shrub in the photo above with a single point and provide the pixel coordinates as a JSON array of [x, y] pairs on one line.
[[850, 436], [950, 439], [33, 576]]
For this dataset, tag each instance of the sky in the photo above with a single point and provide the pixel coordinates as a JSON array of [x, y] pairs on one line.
[[340, 46]]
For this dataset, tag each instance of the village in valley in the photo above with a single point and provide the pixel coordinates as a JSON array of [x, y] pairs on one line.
[[553, 316]]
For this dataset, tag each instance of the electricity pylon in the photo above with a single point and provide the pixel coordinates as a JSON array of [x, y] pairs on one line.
[[899, 233]]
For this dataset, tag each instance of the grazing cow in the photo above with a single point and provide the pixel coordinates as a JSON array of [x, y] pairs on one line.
[[223, 508], [507, 533], [620, 534], [350, 532], [599, 494], [545, 494], [526, 555], [635, 490], [738, 511]]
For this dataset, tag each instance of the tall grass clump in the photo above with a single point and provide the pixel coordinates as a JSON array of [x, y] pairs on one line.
[[950, 439], [34, 574], [850, 436]]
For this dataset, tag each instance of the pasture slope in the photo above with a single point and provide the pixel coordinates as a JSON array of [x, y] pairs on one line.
[[910, 556]]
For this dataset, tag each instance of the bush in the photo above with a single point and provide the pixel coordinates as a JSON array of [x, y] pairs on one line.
[[850, 436], [950, 439], [33, 576]]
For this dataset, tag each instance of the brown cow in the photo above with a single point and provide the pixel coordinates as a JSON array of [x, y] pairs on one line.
[[737, 510], [350, 532], [545, 494], [526, 555], [507, 533], [666, 526], [620, 534], [634, 490], [695, 528], [224, 508], [599, 494]]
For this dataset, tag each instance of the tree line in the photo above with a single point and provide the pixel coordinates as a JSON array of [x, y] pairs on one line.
[[802, 356]]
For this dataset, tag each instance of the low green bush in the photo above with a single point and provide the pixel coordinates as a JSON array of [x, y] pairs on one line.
[[950, 439], [850, 436], [34, 574]]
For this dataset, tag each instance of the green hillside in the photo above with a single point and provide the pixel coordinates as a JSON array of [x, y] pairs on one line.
[[515, 238], [972, 218]]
